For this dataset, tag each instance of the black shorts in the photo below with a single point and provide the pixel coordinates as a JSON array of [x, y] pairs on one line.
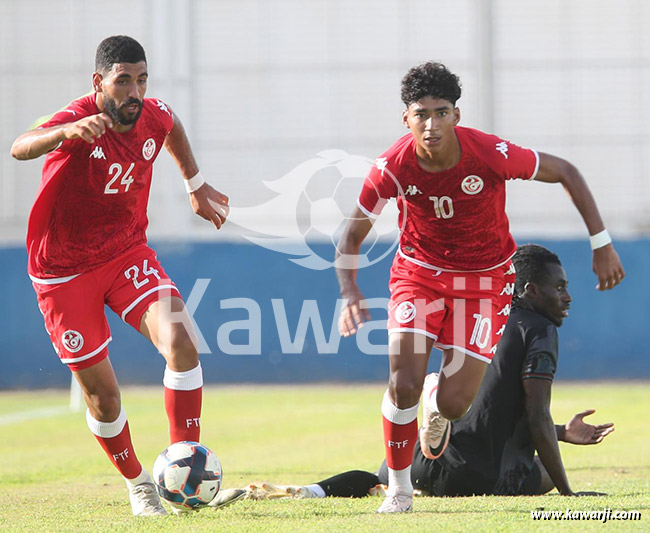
[[435, 478]]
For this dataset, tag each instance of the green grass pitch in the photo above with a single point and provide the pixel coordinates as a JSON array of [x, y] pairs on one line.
[[54, 476]]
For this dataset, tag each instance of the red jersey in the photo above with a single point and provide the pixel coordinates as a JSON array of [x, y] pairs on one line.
[[92, 201], [454, 219]]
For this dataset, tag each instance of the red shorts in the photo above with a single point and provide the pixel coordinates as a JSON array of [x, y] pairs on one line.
[[466, 311], [73, 307]]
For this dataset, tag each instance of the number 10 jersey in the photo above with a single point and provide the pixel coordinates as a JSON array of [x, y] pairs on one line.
[[454, 219]]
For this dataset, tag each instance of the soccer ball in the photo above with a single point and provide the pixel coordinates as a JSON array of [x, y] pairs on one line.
[[187, 475]]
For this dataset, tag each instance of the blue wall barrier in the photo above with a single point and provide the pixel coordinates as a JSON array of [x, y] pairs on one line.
[[604, 337]]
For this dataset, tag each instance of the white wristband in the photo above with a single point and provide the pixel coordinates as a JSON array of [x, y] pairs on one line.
[[194, 183], [600, 239]]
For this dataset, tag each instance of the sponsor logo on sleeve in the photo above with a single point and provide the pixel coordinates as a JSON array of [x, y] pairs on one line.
[[381, 163], [163, 107], [503, 148]]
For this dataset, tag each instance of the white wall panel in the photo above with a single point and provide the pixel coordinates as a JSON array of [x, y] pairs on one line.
[[263, 85], [442, 30], [227, 33]]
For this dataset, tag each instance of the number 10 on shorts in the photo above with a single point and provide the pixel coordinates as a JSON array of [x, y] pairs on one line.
[[133, 272], [481, 333]]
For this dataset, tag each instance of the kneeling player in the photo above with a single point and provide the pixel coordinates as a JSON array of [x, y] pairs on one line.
[[492, 448]]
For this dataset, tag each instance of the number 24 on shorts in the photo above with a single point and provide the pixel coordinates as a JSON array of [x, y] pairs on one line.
[[133, 272]]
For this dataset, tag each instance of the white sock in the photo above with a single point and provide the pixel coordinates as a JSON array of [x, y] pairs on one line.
[[317, 490], [399, 481], [142, 478]]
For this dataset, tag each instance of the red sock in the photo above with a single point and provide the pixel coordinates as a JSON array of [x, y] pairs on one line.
[[183, 395], [115, 439], [400, 433], [184, 413], [399, 442]]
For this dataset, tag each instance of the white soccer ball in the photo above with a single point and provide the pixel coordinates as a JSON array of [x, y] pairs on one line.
[[187, 475]]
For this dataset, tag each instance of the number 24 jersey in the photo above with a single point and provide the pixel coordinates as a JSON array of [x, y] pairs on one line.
[[92, 201]]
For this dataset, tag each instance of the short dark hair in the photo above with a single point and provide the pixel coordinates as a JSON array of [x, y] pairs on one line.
[[531, 262], [430, 79], [118, 49]]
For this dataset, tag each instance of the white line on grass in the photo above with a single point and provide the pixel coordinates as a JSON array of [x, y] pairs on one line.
[[23, 416]]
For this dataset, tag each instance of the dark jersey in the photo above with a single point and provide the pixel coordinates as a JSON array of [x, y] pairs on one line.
[[490, 450]]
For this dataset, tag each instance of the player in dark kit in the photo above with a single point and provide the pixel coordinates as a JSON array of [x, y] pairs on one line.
[[492, 448], [87, 248], [452, 278]]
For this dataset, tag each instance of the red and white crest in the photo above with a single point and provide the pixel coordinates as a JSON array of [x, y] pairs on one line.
[[405, 312], [148, 149], [472, 185], [72, 340]]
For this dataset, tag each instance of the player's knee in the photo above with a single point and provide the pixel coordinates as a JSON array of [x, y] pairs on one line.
[[452, 408], [183, 349], [404, 392], [105, 406]]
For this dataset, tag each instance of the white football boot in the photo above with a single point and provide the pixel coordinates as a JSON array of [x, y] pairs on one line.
[[144, 498], [435, 430], [226, 497], [378, 490], [396, 503], [268, 491]]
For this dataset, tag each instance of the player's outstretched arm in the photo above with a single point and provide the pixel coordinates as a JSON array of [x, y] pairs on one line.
[[347, 259], [35, 143], [577, 431], [538, 400], [606, 263], [206, 201]]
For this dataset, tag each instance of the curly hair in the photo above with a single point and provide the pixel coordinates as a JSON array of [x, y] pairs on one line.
[[430, 79], [118, 49], [531, 262]]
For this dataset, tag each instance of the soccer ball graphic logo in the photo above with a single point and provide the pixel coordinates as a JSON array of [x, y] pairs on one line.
[[187, 475], [313, 205]]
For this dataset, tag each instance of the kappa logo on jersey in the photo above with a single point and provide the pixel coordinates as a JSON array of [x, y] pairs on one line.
[[511, 270], [97, 153], [505, 311], [405, 312], [381, 163], [503, 148], [72, 340], [148, 149], [472, 185], [163, 107], [508, 290], [412, 190]]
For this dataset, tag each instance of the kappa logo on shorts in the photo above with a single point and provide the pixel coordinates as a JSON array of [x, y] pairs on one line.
[[405, 312], [72, 340], [472, 185], [148, 149]]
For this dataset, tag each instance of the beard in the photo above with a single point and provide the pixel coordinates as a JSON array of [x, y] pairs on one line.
[[120, 114]]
